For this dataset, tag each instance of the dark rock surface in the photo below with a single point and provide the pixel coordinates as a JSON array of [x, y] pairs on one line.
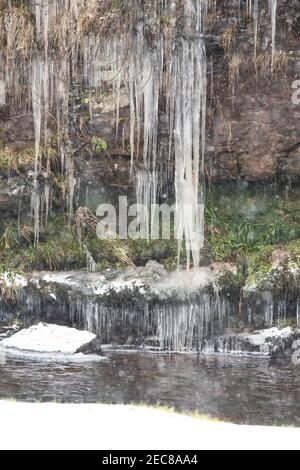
[[268, 342]]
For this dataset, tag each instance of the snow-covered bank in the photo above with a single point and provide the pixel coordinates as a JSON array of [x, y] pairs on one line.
[[103, 427]]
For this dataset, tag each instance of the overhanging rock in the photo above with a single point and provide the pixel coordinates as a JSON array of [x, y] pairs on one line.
[[144, 306]]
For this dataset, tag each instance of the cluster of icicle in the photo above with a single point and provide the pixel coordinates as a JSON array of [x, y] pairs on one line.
[[253, 9], [275, 312], [169, 67], [171, 327], [176, 68]]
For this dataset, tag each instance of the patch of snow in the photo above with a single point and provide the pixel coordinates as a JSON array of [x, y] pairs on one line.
[[119, 286], [127, 425], [49, 338], [259, 338], [60, 278], [184, 284], [14, 280]]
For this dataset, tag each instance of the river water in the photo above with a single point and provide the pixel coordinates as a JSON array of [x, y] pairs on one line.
[[248, 390]]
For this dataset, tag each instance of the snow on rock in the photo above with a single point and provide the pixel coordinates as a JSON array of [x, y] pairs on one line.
[[13, 280], [117, 287], [260, 337], [46, 338], [150, 279], [87, 283]]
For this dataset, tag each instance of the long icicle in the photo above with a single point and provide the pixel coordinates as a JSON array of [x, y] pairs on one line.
[[37, 73], [273, 6]]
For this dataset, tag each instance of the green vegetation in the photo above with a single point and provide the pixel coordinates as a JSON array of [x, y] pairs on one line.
[[257, 229], [9, 290], [98, 144], [240, 223], [242, 226]]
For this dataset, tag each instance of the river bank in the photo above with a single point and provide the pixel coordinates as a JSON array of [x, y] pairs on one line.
[[56, 426]]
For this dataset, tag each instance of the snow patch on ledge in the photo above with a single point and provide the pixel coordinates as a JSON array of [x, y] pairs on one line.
[[45, 338], [118, 286], [259, 338], [89, 283]]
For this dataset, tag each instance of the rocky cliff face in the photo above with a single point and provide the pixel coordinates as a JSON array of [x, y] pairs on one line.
[[252, 131], [99, 99]]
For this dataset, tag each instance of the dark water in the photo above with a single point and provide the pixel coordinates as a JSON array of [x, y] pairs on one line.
[[239, 389]]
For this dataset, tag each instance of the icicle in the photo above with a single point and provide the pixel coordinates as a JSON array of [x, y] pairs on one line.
[[90, 262], [37, 74], [146, 179], [188, 85], [71, 180], [38, 16], [2, 93], [273, 6], [46, 108], [146, 194], [255, 18]]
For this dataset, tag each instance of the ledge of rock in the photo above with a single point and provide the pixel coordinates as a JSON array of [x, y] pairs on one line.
[[152, 281]]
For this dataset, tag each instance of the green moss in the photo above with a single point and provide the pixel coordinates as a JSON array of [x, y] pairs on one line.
[[259, 265], [98, 144], [263, 273]]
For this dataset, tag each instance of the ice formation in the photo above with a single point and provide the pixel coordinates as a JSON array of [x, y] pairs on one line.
[[273, 8], [158, 69]]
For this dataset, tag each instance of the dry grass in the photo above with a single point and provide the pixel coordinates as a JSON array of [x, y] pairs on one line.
[[13, 160], [263, 64], [227, 38], [86, 220], [234, 65], [16, 32]]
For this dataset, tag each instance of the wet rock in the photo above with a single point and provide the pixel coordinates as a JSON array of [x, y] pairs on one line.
[[14, 194], [297, 333], [126, 307], [93, 347], [268, 342], [7, 331], [257, 167]]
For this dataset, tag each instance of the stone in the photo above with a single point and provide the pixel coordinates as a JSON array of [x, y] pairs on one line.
[[267, 342]]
